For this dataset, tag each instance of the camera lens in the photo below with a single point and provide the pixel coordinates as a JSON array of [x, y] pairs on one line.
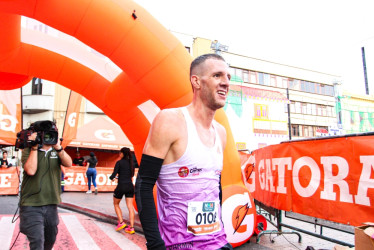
[[50, 138]]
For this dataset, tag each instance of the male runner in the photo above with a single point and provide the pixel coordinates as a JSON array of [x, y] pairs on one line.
[[184, 153]]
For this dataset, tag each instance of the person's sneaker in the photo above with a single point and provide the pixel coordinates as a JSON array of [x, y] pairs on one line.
[[129, 230], [120, 226], [89, 192], [95, 190]]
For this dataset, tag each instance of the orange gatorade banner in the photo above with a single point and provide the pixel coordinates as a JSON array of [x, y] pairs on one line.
[[331, 179], [77, 180], [9, 180]]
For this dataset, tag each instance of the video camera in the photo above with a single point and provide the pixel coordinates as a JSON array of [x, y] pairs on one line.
[[47, 134]]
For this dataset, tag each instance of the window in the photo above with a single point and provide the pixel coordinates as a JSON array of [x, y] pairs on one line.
[[261, 78], [284, 82], [253, 77], [306, 131], [296, 84], [324, 111], [261, 111], [311, 131], [36, 86], [303, 86], [303, 108], [266, 79], [329, 90], [292, 107], [318, 88], [308, 108], [295, 130], [319, 110], [322, 89], [297, 107], [314, 109], [290, 83], [329, 111], [245, 75], [273, 81], [238, 72]]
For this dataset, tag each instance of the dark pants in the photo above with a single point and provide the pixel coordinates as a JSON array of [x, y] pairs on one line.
[[39, 224], [227, 247], [91, 176]]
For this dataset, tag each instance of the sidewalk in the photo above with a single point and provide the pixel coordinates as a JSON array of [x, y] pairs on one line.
[[98, 206]]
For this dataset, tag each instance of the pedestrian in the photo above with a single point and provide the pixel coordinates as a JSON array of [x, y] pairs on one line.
[[184, 154], [40, 191], [124, 168], [91, 172], [78, 160], [4, 161]]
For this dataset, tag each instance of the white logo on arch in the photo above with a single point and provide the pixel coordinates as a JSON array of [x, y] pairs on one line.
[[105, 134]]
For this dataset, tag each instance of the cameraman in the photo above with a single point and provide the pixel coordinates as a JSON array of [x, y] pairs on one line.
[[40, 192]]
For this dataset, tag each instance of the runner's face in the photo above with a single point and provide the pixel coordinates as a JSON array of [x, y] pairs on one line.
[[215, 81]]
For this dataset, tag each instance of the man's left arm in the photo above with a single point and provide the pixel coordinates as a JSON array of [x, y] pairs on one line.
[[64, 157]]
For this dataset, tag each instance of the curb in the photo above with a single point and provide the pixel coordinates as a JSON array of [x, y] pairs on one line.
[[98, 215]]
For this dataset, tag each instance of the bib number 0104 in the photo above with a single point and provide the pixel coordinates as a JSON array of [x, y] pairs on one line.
[[206, 218]]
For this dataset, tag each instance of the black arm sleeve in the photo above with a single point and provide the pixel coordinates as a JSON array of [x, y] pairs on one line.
[[149, 170], [115, 171]]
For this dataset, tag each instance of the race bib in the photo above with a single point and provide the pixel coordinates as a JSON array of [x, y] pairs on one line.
[[202, 217]]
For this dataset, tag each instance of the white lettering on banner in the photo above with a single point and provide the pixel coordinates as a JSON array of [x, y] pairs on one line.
[[8, 123], [110, 182], [314, 181], [4, 180], [261, 175], [365, 182], [281, 163], [80, 179], [72, 119], [103, 179], [69, 180], [330, 180], [269, 177]]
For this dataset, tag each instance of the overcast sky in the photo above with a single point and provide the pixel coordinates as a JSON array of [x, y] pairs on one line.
[[322, 35]]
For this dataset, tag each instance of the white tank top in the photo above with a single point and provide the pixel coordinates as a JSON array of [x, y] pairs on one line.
[[192, 178]]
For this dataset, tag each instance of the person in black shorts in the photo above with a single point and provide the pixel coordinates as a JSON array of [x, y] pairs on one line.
[[124, 168]]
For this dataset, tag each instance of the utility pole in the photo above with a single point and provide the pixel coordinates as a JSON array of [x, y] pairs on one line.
[[365, 72], [289, 115]]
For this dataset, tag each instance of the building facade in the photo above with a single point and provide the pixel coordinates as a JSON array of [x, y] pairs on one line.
[[355, 112], [310, 109]]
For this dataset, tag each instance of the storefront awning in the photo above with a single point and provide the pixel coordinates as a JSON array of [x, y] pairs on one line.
[[101, 133]]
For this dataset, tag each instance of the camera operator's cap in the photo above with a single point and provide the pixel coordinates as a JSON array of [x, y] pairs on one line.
[[92, 154]]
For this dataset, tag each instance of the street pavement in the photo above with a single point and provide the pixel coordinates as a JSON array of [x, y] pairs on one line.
[[102, 222]]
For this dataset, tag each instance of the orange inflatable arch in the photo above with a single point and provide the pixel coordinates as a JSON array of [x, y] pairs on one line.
[[154, 64]]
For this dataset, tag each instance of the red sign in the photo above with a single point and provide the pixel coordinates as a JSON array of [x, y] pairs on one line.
[[9, 181], [77, 180], [331, 179]]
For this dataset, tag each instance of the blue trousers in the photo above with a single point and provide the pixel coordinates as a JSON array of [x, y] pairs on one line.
[[39, 224], [91, 176]]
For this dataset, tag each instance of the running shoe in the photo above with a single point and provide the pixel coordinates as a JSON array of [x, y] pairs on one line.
[[120, 226], [129, 230], [89, 192]]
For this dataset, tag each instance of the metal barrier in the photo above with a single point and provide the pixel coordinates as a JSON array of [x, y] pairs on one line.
[[274, 217]]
